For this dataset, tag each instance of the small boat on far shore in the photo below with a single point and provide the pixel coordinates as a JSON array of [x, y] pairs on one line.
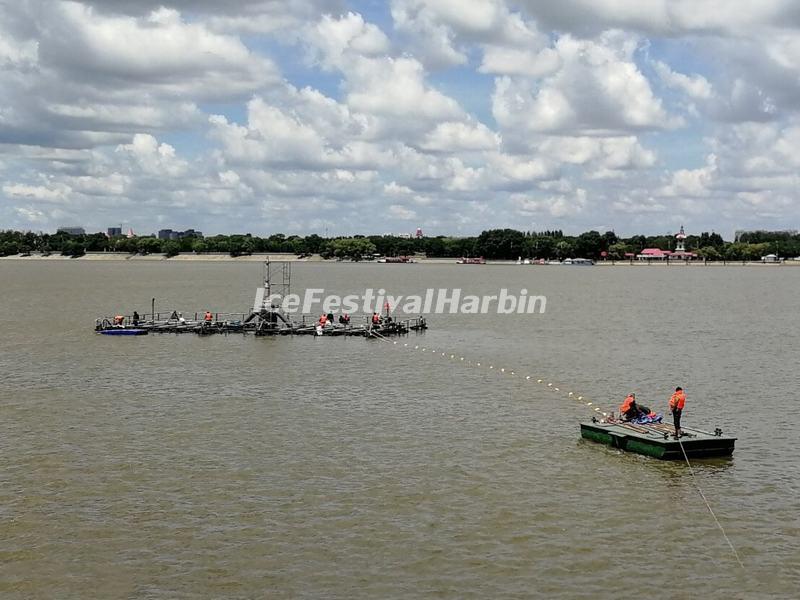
[[397, 260], [471, 261]]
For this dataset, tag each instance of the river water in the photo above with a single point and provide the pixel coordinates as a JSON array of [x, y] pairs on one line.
[[240, 467]]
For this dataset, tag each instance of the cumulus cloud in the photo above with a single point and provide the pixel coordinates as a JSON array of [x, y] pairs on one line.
[[559, 206], [660, 17], [443, 29], [598, 89], [154, 158], [159, 51], [336, 41], [81, 78], [455, 136], [694, 86]]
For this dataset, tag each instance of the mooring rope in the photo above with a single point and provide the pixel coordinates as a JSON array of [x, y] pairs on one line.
[[589, 405], [708, 506]]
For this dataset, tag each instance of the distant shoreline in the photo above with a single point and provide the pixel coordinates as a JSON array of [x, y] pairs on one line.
[[224, 257]]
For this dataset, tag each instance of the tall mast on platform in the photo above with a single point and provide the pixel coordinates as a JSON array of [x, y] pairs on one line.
[[277, 282]]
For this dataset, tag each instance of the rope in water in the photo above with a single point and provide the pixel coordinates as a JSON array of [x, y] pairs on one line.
[[708, 506], [591, 406]]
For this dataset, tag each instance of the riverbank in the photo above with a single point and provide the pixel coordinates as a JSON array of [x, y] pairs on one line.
[[289, 257]]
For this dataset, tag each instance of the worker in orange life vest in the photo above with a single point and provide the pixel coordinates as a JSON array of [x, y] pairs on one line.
[[323, 320], [676, 404], [628, 409], [209, 317]]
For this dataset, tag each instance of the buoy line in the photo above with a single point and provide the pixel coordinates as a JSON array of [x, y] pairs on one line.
[[589, 404], [549, 384]]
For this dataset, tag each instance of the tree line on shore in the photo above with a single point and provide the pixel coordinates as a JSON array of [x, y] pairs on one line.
[[498, 244]]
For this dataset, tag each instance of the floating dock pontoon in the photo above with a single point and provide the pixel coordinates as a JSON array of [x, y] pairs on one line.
[[267, 318], [658, 439]]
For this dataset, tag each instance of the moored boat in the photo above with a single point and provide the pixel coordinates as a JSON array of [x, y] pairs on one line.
[[397, 260], [471, 261]]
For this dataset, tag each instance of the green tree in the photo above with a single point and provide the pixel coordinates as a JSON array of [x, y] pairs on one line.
[[501, 243], [171, 248], [353, 248], [709, 253], [564, 249]]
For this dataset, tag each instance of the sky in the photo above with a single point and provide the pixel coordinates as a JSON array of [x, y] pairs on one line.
[[341, 117]]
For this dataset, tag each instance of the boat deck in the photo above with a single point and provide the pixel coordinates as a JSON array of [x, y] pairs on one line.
[[658, 439]]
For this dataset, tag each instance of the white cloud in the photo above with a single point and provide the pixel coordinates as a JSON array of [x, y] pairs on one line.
[[695, 86], [455, 136], [160, 51], [392, 87], [520, 61], [37, 192], [441, 29], [691, 182], [507, 168], [558, 207], [402, 213], [598, 89], [337, 41], [154, 158], [660, 17]]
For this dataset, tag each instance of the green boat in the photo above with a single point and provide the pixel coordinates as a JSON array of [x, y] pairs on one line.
[[658, 439]]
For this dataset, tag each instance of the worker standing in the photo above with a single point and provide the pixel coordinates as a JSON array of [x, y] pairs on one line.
[[676, 404]]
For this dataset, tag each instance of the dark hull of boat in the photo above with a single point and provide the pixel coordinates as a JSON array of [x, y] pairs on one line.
[[655, 441], [123, 331]]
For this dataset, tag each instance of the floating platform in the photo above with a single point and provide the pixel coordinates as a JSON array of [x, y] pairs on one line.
[[658, 440], [263, 323]]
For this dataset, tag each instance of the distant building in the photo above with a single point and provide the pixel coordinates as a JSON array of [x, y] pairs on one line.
[[653, 254], [680, 248], [130, 234], [679, 254], [419, 232], [72, 230], [169, 234], [114, 232]]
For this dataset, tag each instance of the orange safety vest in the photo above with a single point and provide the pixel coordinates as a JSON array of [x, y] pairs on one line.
[[626, 405], [677, 401], [209, 316], [323, 319]]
